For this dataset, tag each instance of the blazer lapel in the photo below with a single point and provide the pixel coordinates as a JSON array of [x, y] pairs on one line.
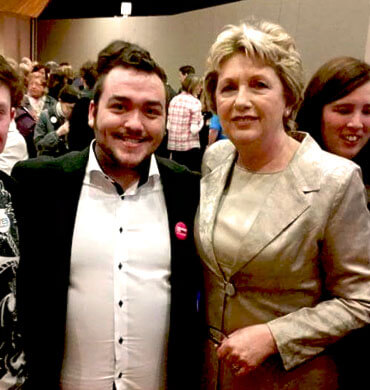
[[282, 207], [288, 200], [211, 190]]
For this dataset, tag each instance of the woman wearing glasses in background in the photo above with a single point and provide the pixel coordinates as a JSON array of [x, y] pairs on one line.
[[282, 227]]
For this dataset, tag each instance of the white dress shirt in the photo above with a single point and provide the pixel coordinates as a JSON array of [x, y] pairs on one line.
[[119, 294], [15, 149]]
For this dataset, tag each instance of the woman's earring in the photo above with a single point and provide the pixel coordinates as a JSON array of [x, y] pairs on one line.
[[287, 112]]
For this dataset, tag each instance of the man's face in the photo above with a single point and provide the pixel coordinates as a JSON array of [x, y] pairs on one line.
[[129, 119], [6, 114], [182, 76]]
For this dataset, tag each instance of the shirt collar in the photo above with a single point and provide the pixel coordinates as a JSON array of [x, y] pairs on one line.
[[148, 172]]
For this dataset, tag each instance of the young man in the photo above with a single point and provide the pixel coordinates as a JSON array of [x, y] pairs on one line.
[[108, 279], [11, 356]]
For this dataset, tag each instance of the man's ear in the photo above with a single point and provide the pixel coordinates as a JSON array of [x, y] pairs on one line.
[[92, 113], [12, 113]]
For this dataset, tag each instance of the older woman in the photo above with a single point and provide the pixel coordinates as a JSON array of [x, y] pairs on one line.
[[34, 102], [336, 110], [282, 226]]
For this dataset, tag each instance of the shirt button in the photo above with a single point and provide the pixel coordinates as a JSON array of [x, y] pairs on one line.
[[120, 266], [230, 289], [120, 303], [120, 230], [120, 340], [120, 375]]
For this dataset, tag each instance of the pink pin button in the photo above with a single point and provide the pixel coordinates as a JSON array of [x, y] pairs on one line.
[[181, 231]]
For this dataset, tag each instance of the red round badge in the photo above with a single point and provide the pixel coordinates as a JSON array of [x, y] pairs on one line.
[[181, 231]]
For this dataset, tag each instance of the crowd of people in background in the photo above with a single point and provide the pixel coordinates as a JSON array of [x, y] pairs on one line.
[[264, 181], [43, 116]]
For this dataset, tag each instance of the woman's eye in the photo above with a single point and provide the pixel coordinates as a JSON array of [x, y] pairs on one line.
[[227, 88], [343, 110], [259, 84]]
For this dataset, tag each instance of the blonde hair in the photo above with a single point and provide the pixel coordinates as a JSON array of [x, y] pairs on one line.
[[266, 42]]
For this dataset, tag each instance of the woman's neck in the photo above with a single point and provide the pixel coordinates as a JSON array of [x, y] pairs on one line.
[[268, 157]]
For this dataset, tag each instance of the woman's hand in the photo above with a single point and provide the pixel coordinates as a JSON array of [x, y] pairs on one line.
[[247, 348], [63, 130]]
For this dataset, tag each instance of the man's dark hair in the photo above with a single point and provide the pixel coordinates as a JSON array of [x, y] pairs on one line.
[[127, 55], [69, 94], [10, 78], [187, 69]]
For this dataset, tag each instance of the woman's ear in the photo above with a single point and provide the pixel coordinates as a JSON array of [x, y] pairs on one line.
[[287, 112]]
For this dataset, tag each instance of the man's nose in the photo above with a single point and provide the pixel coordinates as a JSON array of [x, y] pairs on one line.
[[133, 120]]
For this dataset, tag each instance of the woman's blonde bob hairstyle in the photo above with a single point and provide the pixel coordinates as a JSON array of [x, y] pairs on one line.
[[263, 41]]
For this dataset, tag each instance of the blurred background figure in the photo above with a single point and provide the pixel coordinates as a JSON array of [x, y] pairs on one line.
[[215, 130], [336, 110], [12, 365], [184, 122], [184, 71], [80, 133], [27, 114], [58, 78], [52, 128]]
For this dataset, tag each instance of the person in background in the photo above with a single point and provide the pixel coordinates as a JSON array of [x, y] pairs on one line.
[[80, 133], [52, 66], [336, 110], [57, 80], [36, 98], [34, 102], [52, 128], [99, 310], [184, 72], [42, 71], [282, 226], [184, 122], [24, 70], [215, 130], [12, 367]]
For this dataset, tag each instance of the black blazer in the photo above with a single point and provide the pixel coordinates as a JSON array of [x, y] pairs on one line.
[[49, 191]]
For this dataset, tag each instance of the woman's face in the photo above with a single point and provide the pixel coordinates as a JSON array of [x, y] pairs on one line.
[[250, 100], [345, 123], [36, 88]]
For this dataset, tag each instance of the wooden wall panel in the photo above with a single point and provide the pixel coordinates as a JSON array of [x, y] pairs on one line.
[[31, 8], [15, 36]]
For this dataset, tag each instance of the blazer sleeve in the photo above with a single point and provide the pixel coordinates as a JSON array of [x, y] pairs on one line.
[[344, 257], [45, 138]]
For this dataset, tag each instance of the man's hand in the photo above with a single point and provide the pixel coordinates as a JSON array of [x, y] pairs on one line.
[[247, 348]]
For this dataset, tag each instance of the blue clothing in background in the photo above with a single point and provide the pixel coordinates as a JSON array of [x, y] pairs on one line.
[[216, 125]]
